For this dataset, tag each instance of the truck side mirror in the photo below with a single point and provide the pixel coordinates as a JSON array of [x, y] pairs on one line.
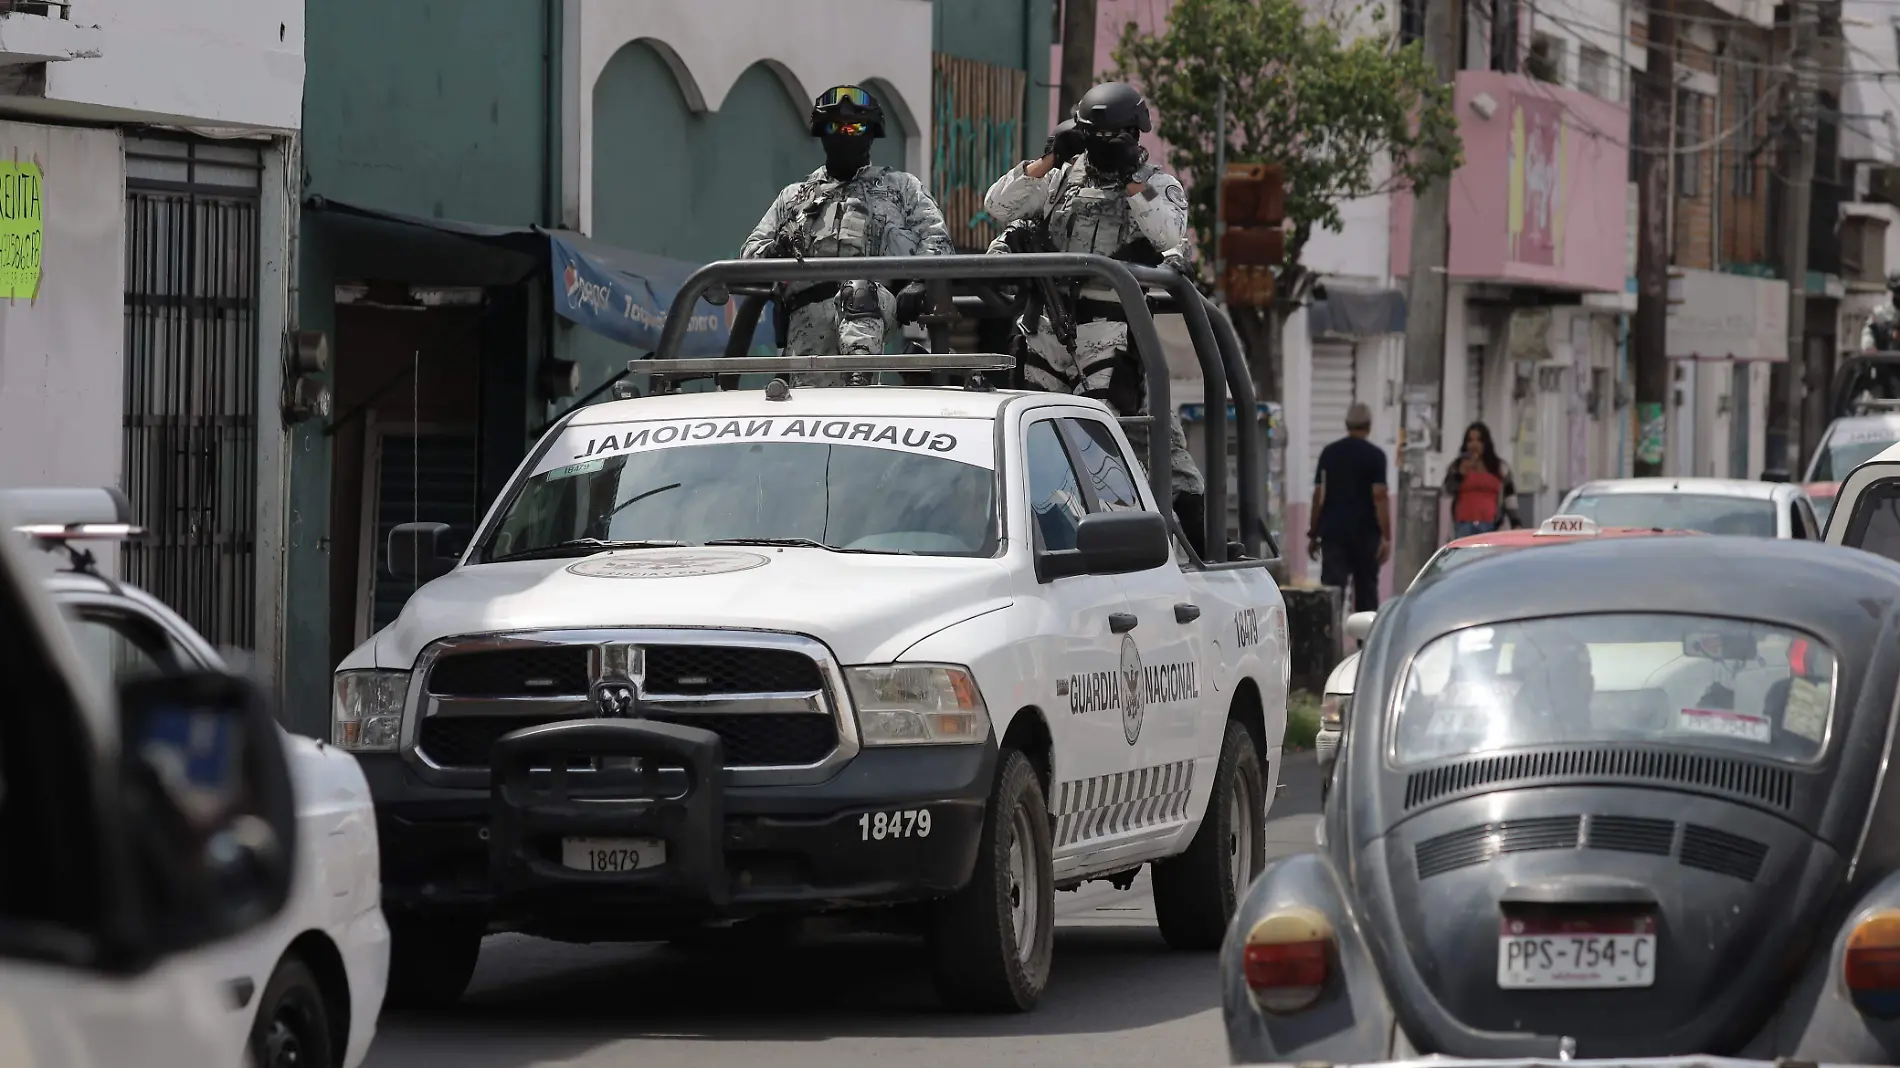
[[1110, 543], [209, 807], [421, 551]]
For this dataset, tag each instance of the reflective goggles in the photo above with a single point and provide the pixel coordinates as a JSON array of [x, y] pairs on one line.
[[845, 94]]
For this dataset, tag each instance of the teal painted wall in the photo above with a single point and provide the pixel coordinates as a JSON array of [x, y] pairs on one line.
[[430, 107]]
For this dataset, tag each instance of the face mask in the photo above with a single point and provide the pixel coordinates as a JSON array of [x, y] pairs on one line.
[[846, 155], [1114, 157]]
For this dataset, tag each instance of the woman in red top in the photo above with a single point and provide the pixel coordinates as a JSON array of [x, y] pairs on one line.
[[1479, 485]]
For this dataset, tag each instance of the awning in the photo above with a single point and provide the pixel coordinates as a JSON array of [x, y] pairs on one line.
[[614, 292], [1347, 311]]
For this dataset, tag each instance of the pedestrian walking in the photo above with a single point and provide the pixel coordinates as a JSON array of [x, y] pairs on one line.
[[1479, 486], [1351, 528]]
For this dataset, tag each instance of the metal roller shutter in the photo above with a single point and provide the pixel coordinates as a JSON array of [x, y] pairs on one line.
[[1334, 383], [1474, 385]]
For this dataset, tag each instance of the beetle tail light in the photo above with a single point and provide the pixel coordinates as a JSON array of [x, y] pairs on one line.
[[1871, 966], [1288, 957]]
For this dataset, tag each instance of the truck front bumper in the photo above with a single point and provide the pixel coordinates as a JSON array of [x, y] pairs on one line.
[[731, 852]]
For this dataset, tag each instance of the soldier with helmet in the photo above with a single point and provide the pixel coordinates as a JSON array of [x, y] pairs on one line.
[[1094, 191], [848, 207]]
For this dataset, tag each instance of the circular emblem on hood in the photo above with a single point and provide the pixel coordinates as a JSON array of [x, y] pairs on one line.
[[1131, 690], [665, 563]]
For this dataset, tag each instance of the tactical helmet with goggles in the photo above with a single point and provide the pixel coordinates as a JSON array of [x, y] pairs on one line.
[[846, 111]]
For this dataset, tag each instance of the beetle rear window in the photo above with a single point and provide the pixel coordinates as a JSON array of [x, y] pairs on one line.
[[1693, 681]]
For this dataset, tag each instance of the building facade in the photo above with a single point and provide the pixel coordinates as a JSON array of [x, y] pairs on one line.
[[146, 162]]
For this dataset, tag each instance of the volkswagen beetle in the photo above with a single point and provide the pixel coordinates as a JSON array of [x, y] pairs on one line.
[[1616, 799]]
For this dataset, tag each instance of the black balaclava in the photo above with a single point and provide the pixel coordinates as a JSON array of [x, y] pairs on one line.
[[1117, 156], [846, 154]]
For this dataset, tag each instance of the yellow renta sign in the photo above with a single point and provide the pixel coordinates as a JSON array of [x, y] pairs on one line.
[[21, 229]]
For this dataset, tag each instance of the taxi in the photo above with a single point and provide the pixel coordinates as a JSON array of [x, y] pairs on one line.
[[1337, 697]]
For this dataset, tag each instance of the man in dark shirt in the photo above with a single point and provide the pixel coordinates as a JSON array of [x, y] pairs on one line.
[[1352, 515]]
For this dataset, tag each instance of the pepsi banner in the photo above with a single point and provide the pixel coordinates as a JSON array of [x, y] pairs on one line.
[[626, 296]]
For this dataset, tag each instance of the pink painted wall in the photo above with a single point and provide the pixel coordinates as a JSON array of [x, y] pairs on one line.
[[1541, 198], [1111, 16]]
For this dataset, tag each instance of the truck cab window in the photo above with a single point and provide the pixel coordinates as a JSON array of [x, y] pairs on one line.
[[1102, 464], [1055, 497], [117, 644], [1875, 522]]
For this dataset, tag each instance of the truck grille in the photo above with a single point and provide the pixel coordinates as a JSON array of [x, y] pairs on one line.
[[770, 704], [752, 740], [556, 670]]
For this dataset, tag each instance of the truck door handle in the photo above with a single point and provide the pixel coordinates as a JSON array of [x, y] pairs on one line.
[[1186, 613], [1121, 622]]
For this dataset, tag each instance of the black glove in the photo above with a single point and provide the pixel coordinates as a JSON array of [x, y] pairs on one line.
[[782, 246], [1065, 142], [910, 303]]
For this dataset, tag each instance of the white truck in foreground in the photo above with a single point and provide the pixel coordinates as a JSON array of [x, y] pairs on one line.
[[723, 656]]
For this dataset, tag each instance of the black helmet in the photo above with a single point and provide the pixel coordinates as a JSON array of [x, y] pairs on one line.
[[1112, 107], [846, 104]]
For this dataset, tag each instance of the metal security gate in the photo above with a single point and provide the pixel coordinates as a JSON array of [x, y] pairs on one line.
[[191, 352], [1335, 384]]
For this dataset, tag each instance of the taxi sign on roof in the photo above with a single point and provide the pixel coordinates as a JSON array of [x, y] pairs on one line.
[[1570, 525]]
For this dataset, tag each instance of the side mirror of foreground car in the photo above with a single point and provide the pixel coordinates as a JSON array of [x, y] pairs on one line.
[[1359, 624], [209, 806], [421, 551], [1110, 543]]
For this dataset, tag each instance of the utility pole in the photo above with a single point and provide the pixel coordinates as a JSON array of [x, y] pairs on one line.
[[1802, 18], [1078, 55], [1416, 535], [1650, 332]]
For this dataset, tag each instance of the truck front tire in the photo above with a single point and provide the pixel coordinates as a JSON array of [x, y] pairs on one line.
[[991, 943], [431, 960], [1197, 892]]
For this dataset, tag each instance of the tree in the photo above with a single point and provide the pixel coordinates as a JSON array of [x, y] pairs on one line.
[[1333, 98]]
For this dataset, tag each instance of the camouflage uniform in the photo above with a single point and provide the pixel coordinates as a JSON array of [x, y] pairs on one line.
[[880, 212], [1086, 212]]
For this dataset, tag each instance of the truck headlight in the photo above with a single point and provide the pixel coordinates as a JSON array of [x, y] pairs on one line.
[[917, 704], [366, 710], [1332, 710]]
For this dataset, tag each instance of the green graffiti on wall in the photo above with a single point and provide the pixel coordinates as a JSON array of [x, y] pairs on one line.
[[972, 151]]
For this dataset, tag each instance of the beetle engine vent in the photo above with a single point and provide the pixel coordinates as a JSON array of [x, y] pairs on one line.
[[1773, 786]]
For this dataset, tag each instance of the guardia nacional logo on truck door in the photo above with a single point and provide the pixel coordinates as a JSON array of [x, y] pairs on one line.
[[1132, 698]]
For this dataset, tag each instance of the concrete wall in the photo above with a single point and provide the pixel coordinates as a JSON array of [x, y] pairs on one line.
[[61, 377], [220, 63], [710, 48]]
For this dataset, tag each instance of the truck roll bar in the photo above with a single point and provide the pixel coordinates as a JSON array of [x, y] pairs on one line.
[[1216, 346]]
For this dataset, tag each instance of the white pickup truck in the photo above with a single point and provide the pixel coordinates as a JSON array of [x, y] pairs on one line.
[[736, 656]]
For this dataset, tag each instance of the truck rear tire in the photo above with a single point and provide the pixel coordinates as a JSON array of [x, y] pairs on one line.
[[431, 960], [1197, 892], [991, 943]]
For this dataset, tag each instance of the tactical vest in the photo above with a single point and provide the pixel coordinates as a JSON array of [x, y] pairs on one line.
[[1090, 215], [835, 221]]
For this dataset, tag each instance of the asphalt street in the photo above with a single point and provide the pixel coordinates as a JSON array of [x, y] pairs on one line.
[[1118, 996]]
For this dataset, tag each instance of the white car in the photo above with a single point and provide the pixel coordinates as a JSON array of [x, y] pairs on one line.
[[864, 646], [305, 988], [1336, 702], [1708, 505]]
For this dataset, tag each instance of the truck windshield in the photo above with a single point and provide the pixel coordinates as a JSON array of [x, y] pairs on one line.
[[1843, 452], [1685, 680], [912, 486]]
